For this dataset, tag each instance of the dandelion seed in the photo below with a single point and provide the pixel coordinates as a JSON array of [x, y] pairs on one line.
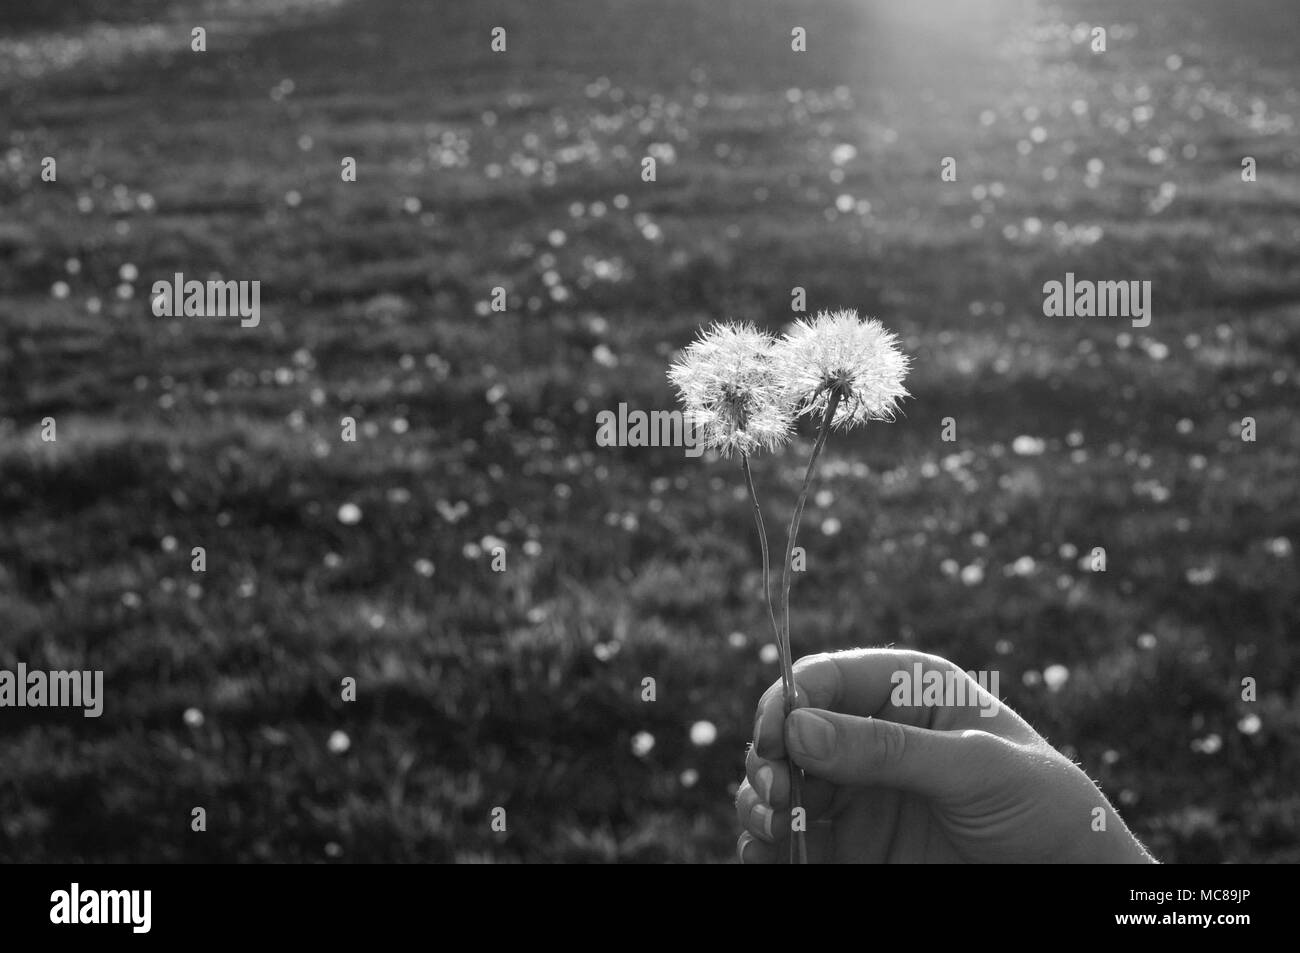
[[838, 352]]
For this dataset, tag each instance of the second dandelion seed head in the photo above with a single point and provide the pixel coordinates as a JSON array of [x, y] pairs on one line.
[[839, 354]]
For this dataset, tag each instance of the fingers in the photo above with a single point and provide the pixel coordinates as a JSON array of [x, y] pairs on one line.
[[820, 843], [754, 815], [754, 851], [771, 780], [770, 821], [816, 683], [876, 752], [858, 682], [870, 682]]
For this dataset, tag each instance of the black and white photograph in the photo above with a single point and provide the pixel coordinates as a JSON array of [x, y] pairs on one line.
[[648, 432]]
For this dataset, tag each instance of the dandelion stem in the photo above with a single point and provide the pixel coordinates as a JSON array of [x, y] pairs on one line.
[[767, 561], [798, 845], [783, 647]]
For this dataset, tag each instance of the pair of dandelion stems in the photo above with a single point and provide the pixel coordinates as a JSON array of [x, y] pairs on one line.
[[787, 665], [798, 843]]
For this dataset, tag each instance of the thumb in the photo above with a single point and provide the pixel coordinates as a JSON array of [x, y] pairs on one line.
[[874, 752]]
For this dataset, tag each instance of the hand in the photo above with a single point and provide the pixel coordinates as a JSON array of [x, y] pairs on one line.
[[916, 784]]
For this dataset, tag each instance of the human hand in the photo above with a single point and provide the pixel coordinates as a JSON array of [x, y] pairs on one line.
[[916, 784]]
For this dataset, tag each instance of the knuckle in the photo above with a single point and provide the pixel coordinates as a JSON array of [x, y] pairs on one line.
[[887, 743], [988, 746], [741, 794]]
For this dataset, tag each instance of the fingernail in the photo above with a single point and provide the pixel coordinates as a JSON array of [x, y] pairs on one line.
[[813, 734], [763, 778], [745, 840], [760, 816]]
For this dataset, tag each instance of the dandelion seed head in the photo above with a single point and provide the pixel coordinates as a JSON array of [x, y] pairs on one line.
[[839, 352], [730, 392]]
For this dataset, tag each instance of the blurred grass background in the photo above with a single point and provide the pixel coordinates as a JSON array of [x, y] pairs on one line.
[[522, 689]]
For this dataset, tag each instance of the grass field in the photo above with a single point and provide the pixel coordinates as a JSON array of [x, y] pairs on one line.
[[521, 689]]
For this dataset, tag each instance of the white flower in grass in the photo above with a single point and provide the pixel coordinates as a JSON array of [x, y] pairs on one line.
[[730, 390], [839, 352]]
